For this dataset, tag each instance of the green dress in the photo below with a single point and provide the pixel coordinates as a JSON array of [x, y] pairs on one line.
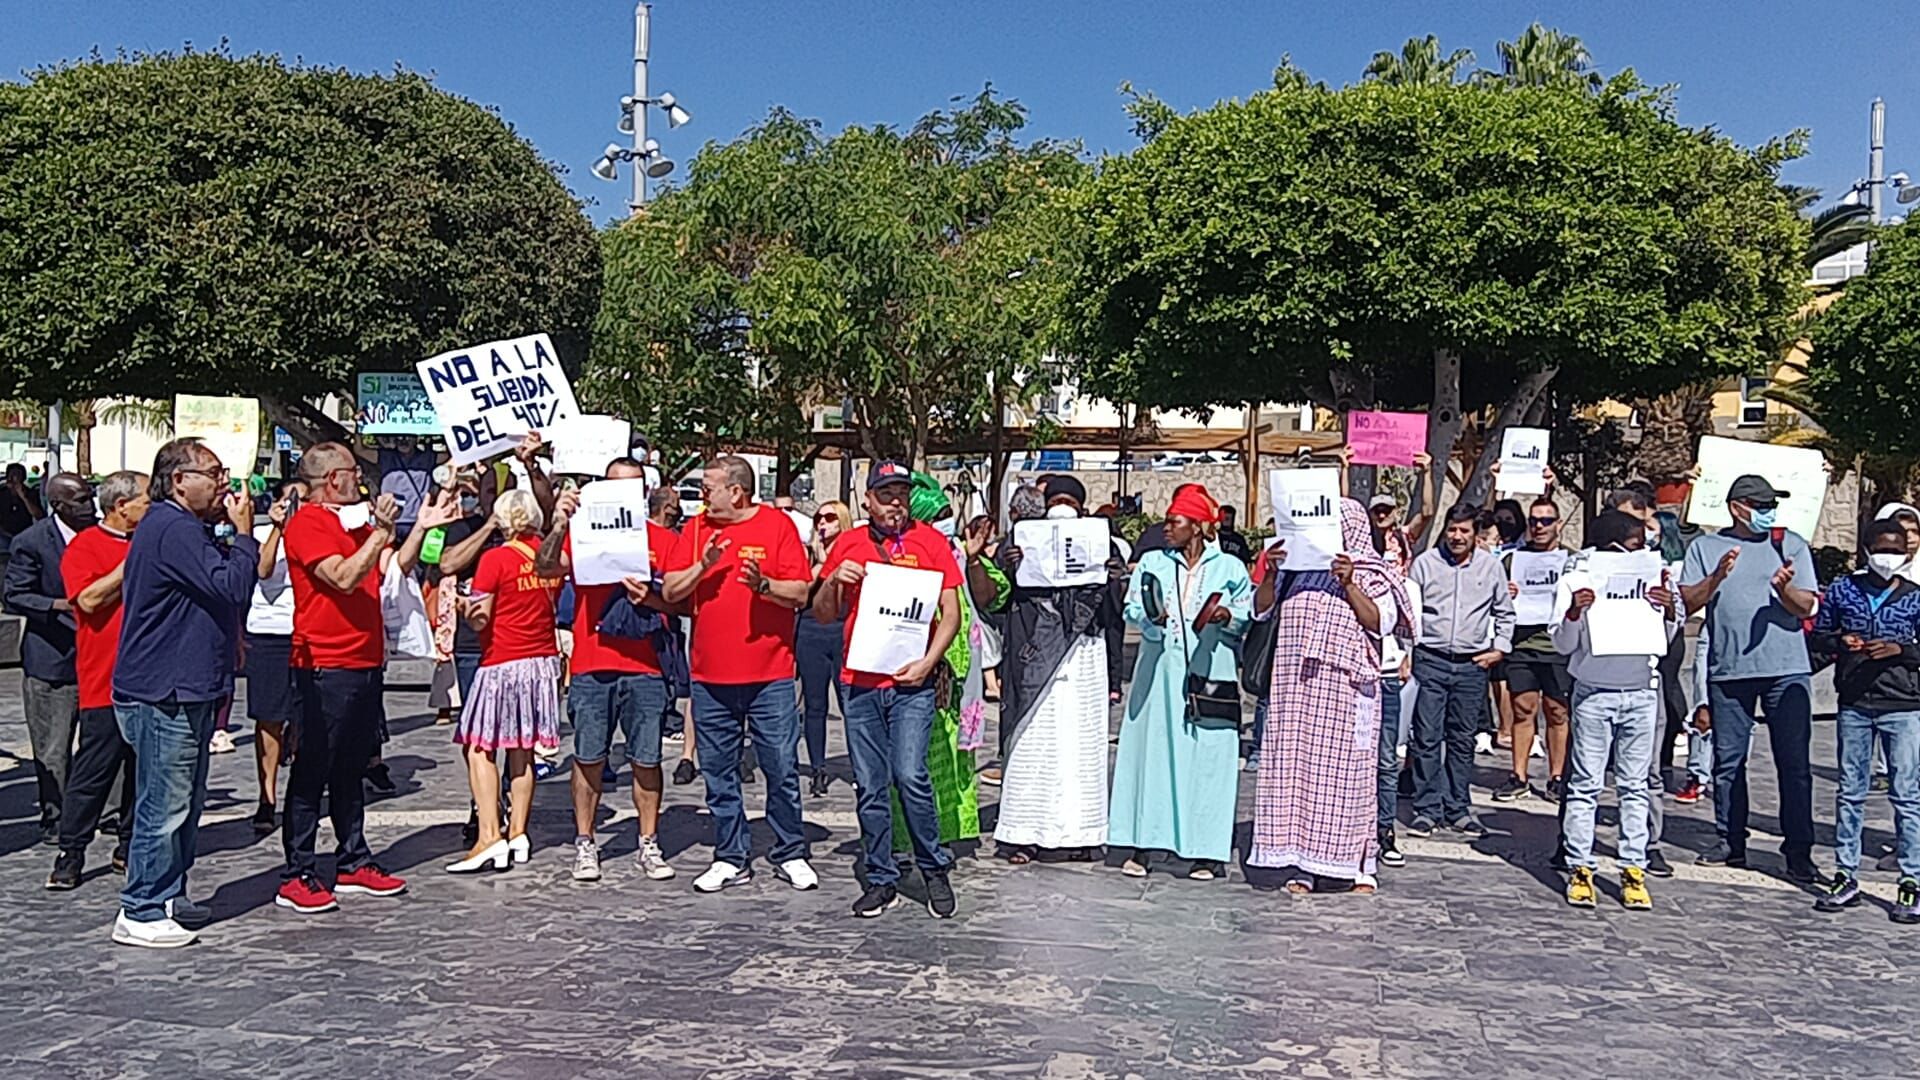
[[956, 789]]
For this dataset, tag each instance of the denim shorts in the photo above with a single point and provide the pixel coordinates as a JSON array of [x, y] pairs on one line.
[[601, 700]]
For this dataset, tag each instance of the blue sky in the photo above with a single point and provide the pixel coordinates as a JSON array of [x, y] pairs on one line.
[[556, 71]]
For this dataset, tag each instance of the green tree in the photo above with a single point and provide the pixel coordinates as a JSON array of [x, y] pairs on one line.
[[1863, 378], [1544, 57], [233, 225], [912, 274], [1419, 63]]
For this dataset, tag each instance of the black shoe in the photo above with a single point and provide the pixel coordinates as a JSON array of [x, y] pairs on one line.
[[120, 856], [1843, 892], [1468, 826], [940, 901], [1389, 851], [876, 900], [1801, 869], [470, 832], [66, 871], [1421, 826], [1556, 789], [818, 786], [1560, 861], [1721, 855], [1510, 789], [1657, 864], [263, 820], [50, 832], [1906, 903], [685, 773], [380, 778]]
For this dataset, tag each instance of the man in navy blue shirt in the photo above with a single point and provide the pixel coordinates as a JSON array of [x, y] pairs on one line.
[[184, 596]]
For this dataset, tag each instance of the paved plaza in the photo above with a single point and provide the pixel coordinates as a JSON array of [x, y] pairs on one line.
[[1465, 964]]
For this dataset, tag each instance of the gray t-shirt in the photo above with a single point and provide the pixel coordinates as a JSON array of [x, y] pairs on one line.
[[1752, 635]]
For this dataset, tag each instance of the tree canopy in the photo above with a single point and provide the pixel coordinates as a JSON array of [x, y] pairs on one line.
[[212, 224], [909, 273], [1865, 365]]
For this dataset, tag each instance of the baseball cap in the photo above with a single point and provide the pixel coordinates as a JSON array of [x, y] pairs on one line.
[[1381, 500], [889, 472], [1754, 489]]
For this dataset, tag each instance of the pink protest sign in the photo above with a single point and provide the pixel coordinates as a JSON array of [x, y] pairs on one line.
[[1386, 438]]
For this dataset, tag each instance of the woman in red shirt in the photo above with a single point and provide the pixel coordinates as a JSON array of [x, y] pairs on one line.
[[515, 705]]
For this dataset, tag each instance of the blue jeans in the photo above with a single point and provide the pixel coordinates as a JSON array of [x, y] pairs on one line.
[[1447, 710], [816, 650], [719, 710], [170, 786], [1699, 753], [1621, 725], [1788, 704], [887, 734], [600, 701], [1388, 772], [1898, 734]]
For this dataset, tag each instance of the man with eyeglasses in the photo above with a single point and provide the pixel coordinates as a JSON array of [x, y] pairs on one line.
[[1755, 580]]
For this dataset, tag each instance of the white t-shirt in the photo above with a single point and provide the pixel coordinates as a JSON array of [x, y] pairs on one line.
[[1390, 650], [272, 609]]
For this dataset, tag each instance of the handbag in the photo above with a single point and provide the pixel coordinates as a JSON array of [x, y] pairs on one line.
[[1211, 702], [1256, 651]]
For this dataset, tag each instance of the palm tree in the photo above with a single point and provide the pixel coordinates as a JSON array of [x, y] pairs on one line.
[[1835, 229], [82, 416], [1419, 64], [1543, 57]]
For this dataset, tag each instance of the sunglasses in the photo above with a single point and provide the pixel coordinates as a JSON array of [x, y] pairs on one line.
[[1541, 523]]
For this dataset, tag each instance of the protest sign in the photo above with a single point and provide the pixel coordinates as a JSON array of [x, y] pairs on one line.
[[1386, 438], [488, 396], [1306, 516], [894, 618], [1537, 573], [1800, 472], [609, 533], [230, 427], [1062, 553], [585, 445], [393, 403], [1622, 621], [1523, 461]]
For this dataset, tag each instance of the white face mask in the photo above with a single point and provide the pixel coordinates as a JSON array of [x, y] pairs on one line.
[[1062, 511], [355, 515], [1653, 534], [1886, 563]]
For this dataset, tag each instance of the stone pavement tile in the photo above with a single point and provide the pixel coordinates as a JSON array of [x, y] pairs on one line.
[[138, 1049]]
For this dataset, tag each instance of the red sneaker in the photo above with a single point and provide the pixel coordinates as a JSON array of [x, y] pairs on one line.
[[1689, 792], [305, 895], [369, 879]]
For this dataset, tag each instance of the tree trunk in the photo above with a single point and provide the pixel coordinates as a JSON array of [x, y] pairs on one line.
[[1443, 426], [1354, 390], [83, 449], [1518, 404]]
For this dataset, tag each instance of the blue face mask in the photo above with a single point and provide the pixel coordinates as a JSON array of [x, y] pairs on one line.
[[1762, 520]]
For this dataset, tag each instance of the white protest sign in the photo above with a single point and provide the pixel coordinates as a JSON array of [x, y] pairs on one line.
[[1306, 516], [1800, 472], [609, 532], [487, 396], [1537, 573], [1062, 553], [894, 618], [1523, 461], [585, 445], [1621, 621], [230, 427]]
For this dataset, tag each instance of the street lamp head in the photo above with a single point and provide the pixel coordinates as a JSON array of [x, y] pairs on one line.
[[1852, 197], [605, 169], [658, 167], [675, 114], [1908, 193], [625, 126], [1899, 179]]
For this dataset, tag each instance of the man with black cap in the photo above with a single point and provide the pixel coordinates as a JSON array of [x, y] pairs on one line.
[[1755, 579]]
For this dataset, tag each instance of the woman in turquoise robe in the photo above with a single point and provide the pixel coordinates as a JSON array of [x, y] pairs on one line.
[[1176, 782]]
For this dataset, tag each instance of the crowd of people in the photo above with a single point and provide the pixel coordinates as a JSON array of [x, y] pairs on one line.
[[145, 595]]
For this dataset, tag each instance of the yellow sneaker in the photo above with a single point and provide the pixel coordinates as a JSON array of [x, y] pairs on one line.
[[1580, 891], [1633, 889]]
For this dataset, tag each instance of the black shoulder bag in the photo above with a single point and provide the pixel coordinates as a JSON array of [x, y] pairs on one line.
[[1210, 702]]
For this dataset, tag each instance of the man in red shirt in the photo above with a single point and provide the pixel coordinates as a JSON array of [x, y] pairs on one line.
[[333, 545], [617, 681], [91, 570], [890, 715], [742, 572]]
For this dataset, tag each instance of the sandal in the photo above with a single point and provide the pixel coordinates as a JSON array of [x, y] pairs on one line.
[[1300, 886], [1134, 868], [1202, 871], [1020, 856]]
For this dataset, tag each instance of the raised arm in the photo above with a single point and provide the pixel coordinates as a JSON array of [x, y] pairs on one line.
[[551, 560]]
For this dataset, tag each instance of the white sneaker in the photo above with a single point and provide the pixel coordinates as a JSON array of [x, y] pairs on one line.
[[221, 743], [1482, 743], [586, 859], [653, 862], [797, 873], [160, 934], [721, 875]]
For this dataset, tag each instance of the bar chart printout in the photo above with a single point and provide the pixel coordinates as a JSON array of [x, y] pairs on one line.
[[893, 619], [1623, 620], [609, 533], [1306, 515]]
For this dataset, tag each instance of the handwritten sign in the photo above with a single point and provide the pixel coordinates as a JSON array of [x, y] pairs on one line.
[[393, 403], [1062, 553], [586, 444], [1306, 516], [1800, 472], [1624, 622], [609, 533], [1537, 573], [1386, 438], [230, 427], [894, 618], [487, 396], [1523, 461]]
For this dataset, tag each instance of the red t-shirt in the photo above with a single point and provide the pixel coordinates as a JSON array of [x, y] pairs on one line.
[[93, 554], [523, 602], [625, 656], [738, 636], [921, 547], [331, 629]]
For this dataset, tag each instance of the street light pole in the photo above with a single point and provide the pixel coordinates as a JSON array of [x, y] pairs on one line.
[[1876, 160], [642, 42]]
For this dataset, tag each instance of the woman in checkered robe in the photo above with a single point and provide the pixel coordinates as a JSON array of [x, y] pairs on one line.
[[1313, 813]]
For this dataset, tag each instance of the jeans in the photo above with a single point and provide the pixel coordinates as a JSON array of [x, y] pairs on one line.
[[767, 709], [1447, 710], [599, 702], [1699, 754], [887, 733], [1388, 785], [1788, 704], [102, 758], [340, 713], [169, 743], [1898, 734], [51, 712], [1621, 725], [816, 649]]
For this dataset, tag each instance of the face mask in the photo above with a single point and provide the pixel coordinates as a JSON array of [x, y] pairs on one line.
[[469, 505], [1653, 534], [1761, 520], [355, 515], [945, 526], [1062, 511], [1885, 563]]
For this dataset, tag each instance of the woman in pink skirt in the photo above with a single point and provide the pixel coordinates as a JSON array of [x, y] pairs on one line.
[[515, 702]]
